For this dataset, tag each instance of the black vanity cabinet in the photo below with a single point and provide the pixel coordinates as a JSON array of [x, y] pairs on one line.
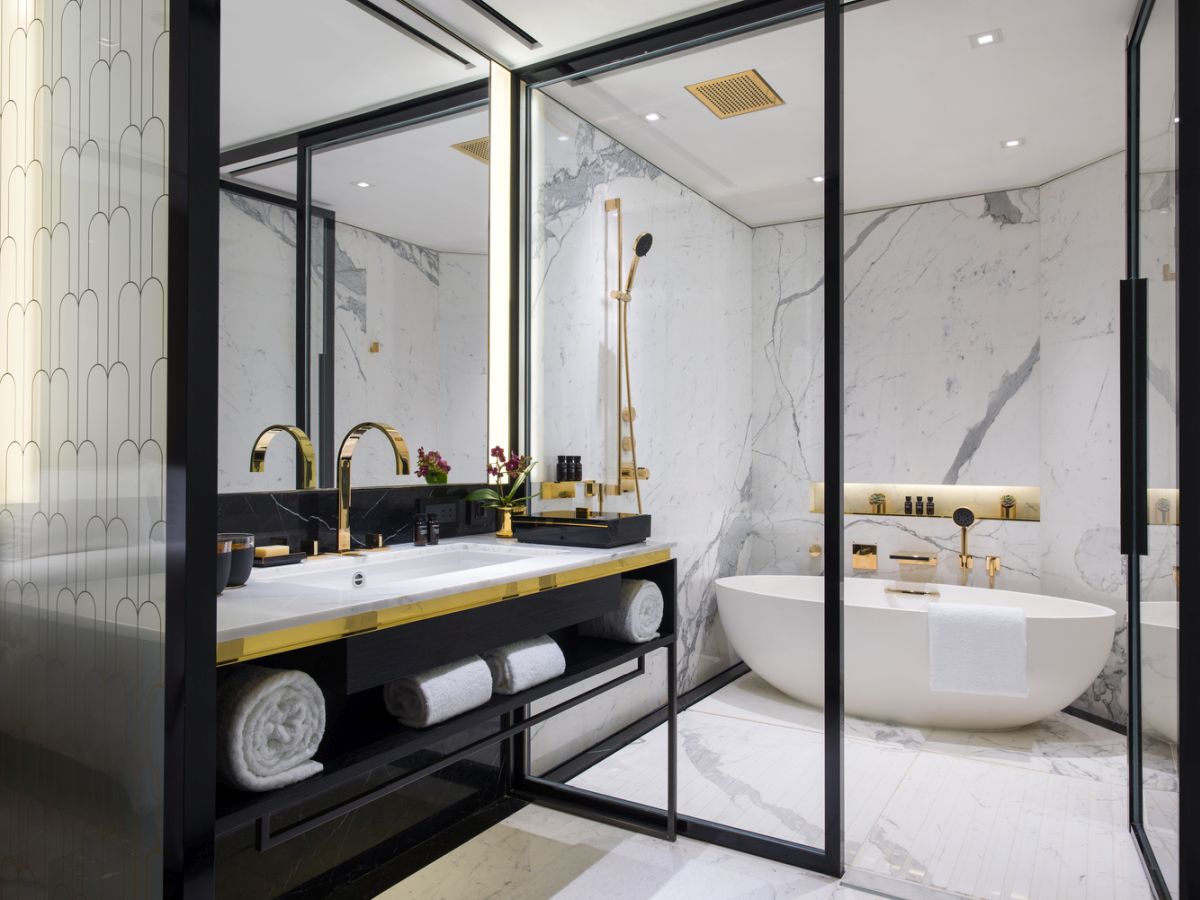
[[392, 798]]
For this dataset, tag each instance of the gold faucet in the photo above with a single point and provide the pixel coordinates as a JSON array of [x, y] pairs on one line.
[[349, 442], [258, 456]]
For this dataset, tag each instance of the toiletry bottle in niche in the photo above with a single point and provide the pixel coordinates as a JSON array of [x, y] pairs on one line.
[[908, 506], [920, 506], [929, 506], [579, 468], [560, 472], [420, 531], [434, 529]]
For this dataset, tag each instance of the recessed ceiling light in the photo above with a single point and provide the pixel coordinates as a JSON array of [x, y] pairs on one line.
[[362, 184], [986, 38], [817, 179], [1176, 120], [652, 117], [1012, 142], [563, 137]]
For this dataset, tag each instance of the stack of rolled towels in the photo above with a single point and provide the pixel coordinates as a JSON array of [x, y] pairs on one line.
[[635, 620], [269, 724], [444, 692]]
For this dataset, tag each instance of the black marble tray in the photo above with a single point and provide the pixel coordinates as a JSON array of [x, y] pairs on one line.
[[604, 531]]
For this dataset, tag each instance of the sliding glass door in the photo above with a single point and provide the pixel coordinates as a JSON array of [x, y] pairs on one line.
[[1153, 200]]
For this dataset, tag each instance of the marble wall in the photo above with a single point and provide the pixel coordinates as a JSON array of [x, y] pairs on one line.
[[426, 310], [981, 348], [690, 341]]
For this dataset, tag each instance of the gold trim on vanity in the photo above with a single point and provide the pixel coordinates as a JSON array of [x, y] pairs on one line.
[[328, 630]]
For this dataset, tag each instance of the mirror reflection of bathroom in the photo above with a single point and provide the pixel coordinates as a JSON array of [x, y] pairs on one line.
[[984, 238], [395, 327]]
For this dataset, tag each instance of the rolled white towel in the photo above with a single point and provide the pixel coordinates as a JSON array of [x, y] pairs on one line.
[[436, 695], [269, 725], [635, 620], [525, 664]]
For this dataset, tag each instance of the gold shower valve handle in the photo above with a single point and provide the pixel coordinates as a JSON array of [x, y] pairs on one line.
[[628, 414], [626, 443]]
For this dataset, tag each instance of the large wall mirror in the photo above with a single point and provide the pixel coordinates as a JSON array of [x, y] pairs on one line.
[[394, 328]]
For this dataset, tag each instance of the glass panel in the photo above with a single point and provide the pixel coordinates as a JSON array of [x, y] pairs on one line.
[[984, 244], [257, 351], [83, 378], [724, 370], [1158, 209], [410, 312]]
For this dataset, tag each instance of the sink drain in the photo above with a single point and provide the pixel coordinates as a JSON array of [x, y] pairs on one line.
[[359, 579]]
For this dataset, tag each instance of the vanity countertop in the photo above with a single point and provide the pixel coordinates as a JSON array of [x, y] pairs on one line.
[[330, 597]]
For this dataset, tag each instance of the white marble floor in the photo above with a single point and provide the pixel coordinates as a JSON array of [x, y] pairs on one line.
[[1037, 812]]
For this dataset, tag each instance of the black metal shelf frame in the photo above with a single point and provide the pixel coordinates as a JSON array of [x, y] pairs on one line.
[[237, 809]]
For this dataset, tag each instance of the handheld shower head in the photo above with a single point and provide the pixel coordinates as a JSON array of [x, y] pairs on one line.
[[964, 517], [641, 246]]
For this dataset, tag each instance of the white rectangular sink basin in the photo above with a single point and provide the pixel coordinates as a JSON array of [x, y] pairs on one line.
[[395, 570]]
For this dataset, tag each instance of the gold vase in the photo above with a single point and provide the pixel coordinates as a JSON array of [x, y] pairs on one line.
[[506, 514]]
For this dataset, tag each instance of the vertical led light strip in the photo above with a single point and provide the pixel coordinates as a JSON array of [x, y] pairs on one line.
[[499, 257]]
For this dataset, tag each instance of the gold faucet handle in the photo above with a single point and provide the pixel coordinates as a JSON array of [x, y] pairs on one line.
[[993, 565], [966, 561]]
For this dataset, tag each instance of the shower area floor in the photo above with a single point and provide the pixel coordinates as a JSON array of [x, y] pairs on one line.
[[1036, 812]]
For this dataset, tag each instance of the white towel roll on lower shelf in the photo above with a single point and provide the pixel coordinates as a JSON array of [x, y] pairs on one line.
[[438, 694], [637, 618], [525, 664], [269, 725]]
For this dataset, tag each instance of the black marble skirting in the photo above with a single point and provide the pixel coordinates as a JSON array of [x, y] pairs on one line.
[[293, 517]]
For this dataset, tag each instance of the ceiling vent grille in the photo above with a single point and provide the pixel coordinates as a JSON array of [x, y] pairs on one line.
[[479, 148], [735, 95]]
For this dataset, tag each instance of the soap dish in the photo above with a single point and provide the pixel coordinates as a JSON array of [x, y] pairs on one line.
[[269, 562], [602, 532]]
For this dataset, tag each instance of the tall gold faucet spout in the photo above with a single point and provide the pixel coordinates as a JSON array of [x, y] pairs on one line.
[[258, 455], [345, 453]]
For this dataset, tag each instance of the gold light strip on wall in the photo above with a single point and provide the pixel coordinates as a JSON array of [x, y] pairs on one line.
[[334, 629], [500, 201], [984, 500]]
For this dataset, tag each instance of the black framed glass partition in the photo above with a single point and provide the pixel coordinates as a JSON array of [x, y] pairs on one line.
[[659, 149], [1155, 448]]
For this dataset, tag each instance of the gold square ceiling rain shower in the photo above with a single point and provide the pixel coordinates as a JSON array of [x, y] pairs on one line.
[[479, 149], [736, 94]]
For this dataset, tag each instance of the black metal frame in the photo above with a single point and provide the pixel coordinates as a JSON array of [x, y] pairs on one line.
[[189, 670], [1134, 515], [694, 31]]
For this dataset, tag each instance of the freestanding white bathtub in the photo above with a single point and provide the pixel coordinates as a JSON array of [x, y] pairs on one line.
[[775, 623]]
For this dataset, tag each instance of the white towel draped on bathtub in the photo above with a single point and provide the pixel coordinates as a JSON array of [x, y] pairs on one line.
[[976, 649]]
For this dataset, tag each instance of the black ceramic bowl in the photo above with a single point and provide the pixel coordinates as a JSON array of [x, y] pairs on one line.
[[224, 561], [243, 557]]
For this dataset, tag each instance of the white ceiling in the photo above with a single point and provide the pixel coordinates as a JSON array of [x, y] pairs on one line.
[[291, 64], [422, 189], [560, 26], [925, 112]]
